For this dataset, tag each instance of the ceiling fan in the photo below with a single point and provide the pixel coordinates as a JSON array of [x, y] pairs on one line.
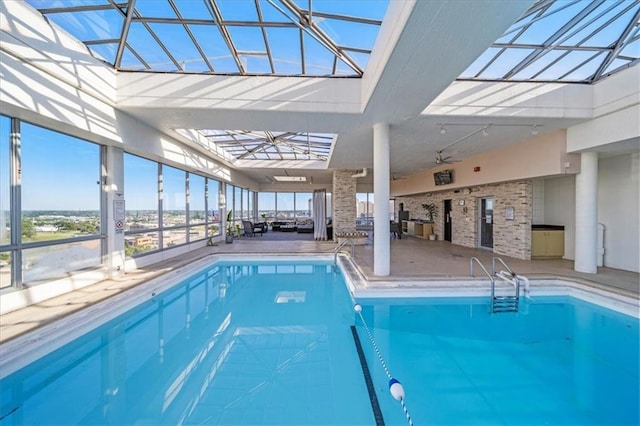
[[444, 160]]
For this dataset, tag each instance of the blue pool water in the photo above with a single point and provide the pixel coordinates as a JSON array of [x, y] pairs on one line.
[[271, 343], [558, 361]]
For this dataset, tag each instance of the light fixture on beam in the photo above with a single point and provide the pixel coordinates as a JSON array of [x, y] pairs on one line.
[[443, 130], [534, 129], [290, 178]]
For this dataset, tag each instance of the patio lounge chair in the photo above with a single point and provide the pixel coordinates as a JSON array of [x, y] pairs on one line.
[[251, 229]]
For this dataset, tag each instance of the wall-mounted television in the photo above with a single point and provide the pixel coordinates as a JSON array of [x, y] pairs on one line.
[[443, 177]]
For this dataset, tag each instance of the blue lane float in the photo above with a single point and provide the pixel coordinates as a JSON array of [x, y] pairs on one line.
[[395, 387]]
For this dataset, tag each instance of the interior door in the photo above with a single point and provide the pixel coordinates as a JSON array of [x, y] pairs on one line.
[[447, 220], [486, 222]]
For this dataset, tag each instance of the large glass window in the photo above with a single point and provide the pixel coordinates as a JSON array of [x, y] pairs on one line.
[[197, 209], [5, 200], [141, 201], [250, 212], [5, 184], [174, 205], [304, 204], [364, 210], [197, 213], [237, 205], [286, 205], [60, 185], [267, 206], [56, 261], [213, 203], [229, 200]]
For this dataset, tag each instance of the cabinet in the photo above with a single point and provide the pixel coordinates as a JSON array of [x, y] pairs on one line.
[[417, 229], [547, 243]]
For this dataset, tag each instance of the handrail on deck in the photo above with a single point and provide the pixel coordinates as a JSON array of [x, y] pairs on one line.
[[340, 246], [481, 266], [493, 266]]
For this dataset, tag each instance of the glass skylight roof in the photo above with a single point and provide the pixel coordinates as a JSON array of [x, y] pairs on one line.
[[569, 41], [245, 37], [257, 145]]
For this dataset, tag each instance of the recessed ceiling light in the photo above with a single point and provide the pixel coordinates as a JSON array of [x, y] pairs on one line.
[[290, 178]]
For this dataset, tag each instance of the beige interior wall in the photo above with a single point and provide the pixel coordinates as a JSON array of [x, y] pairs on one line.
[[541, 156]]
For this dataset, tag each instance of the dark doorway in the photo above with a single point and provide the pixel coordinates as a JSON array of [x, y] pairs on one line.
[[486, 222], [447, 220]]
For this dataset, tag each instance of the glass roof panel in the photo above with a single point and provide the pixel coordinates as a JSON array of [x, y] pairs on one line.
[[177, 41], [104, 51], [351, 34], [247, 39], [237, 10], [214, 48], [616, 64], [194, 9], [256, 64], [130, 61], [259, 145], [540, 30], [318, 60], [530, 72], [505, 61], [632, 49], [599, 32], [270, 13], [361, 58], [156, 9], [187, 40], [142, 41], [563, 41], [357, 8], [566, 64], [285, 50], [90, 25]]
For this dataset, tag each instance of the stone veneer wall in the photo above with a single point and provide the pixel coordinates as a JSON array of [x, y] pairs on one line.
[[510, 237], [343, 200]]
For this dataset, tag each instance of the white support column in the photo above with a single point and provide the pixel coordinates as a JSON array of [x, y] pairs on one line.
[[586, 257], [115, 198], [381, 240]]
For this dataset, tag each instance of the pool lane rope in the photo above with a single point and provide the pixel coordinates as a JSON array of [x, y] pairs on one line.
[[395, 387]]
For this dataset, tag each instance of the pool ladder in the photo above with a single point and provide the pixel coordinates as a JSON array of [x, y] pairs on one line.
[[502, 303]]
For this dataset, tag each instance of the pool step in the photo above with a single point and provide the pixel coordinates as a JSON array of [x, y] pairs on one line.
[[504, 304]]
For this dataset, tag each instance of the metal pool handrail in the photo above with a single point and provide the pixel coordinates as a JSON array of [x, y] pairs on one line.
[[340, 246]]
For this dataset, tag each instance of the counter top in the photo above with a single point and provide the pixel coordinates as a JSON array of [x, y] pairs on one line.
[[547, 227]]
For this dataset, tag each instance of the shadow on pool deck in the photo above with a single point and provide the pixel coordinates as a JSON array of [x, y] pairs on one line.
[[411, 259]]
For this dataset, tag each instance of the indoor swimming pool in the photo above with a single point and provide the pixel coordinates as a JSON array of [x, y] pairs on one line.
[[271, 342]]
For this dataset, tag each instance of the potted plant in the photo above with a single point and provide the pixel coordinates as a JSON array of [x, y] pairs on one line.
[[229, 237], [432, 212]]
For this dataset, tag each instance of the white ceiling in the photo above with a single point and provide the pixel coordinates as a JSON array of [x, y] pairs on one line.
[[409, 68]]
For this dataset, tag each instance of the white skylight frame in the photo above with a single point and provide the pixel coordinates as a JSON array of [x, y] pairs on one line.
[[248, 146], [571, 41], [230, 37]]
